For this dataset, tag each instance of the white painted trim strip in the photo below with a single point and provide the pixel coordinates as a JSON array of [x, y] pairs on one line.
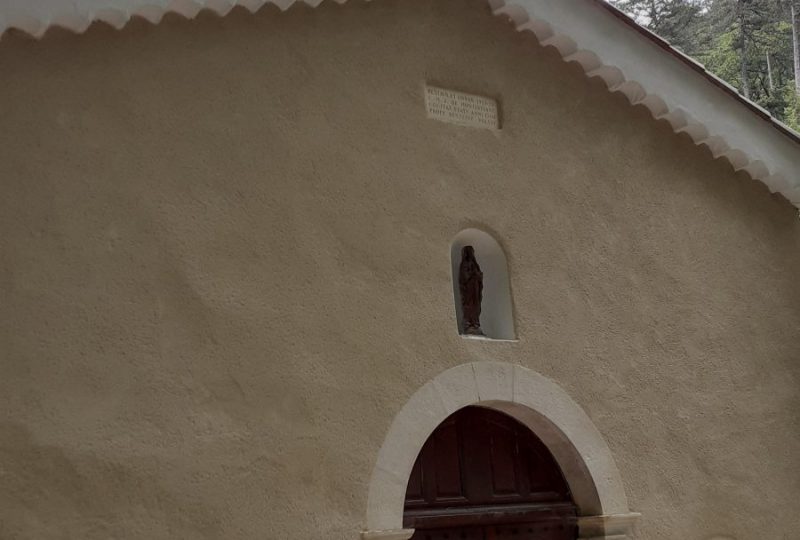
[[607, 526], [391, 534]]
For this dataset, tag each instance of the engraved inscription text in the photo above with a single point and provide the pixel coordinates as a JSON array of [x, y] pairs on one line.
[[462, 109]]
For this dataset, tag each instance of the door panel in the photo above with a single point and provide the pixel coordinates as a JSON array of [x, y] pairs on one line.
[[483, 457], [447, 463], [484, 476], [504, 463], [456, 533], [531, 531], [517, 531]]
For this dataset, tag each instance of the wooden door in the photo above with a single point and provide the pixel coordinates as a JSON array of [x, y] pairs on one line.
[[484, 476], [517, 531]]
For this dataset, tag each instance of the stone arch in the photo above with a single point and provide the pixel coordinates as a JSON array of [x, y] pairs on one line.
[[497, 319], [531, 398]]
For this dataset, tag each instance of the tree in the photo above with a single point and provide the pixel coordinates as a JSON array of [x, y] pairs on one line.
[[748, 18], [674, 20], [790, 9], [752, 44], [792, 112], [795, 22]]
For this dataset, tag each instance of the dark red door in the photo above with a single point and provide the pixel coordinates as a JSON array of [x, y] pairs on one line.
[[484, 476]]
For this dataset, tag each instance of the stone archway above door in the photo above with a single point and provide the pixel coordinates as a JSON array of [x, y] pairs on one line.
[[532, 399]]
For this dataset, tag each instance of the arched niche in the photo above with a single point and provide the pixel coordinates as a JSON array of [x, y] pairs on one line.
[[536, 402], [497, 320]]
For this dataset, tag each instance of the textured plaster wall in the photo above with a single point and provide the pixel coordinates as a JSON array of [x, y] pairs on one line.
[[224, 267]]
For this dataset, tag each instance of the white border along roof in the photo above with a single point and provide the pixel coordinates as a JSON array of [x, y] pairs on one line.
[[605, 42]]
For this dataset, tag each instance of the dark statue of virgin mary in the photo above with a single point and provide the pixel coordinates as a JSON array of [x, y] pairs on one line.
[[470, 285]]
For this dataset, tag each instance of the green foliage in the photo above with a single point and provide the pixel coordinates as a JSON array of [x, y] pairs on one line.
[[723, 58], [791, 114], [748, 43], [674, 20]]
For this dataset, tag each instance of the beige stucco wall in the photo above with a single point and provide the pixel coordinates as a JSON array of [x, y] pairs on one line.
[[224, 267]]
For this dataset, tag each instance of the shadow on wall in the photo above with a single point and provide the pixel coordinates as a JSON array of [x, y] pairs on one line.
[[496, 318]]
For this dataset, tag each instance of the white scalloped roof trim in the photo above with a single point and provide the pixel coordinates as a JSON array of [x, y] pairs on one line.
[[35, 17], [581, 30], [635, 65]]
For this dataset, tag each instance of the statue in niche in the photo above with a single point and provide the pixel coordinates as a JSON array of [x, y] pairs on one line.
[[470, 284]]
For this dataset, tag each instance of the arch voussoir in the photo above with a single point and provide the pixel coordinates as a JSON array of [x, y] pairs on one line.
[[531, 398]]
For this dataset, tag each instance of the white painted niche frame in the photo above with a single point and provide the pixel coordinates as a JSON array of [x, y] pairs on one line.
[[497, 313]]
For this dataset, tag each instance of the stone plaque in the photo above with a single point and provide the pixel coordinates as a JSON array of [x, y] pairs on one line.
[[460, 108]]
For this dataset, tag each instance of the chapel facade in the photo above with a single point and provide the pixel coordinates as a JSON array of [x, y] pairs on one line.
[[386, 271]]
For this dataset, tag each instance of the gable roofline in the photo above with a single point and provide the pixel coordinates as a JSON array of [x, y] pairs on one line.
[[605, 42], [721, 83], [649, 72]]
